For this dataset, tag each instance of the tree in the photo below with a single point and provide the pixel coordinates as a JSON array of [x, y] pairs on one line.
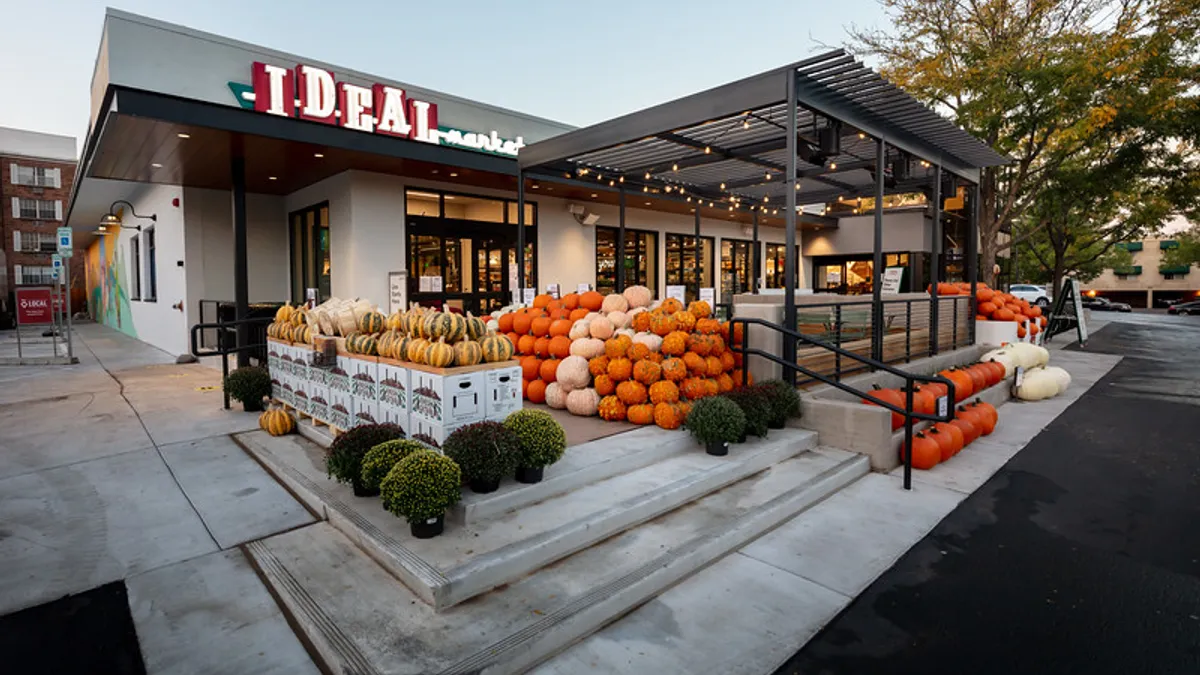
[[1043, 82], [1188, 252]]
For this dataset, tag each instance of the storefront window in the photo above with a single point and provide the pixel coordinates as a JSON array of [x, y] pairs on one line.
[[736, 268], [641, 259], [774, 265], [682, 266], [310, 252], [853, 274]]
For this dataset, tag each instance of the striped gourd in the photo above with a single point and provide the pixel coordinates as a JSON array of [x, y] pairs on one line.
[[387, 343], [371, 323], [395, 321], [284, 313], [367, 345], [273, 329], [400, 349], [299, 317], [276, 422], [302, 334], [416, 321], [467, 353], [285, 332], [496, 348], [351, 345], [447, 325], [439, 354], [417, 349], [476, 328]]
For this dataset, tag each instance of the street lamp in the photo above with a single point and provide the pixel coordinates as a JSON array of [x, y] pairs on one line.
[[112, 221]]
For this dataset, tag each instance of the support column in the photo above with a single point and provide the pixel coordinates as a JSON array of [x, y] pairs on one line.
[[620, 248], [972, 258], [699, 275], [241, 265], [520, 235], [877, 265], [754, 257], [935, 255], [789, 253]]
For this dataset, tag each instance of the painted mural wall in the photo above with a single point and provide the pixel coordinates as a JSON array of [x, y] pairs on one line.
[[108, 301]]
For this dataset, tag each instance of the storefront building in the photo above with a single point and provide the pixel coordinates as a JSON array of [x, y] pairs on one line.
[[357, 186]]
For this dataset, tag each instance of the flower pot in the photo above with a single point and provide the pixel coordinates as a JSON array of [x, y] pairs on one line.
[[361, 490], [718, 448], [429, 528], [529, 475], [252, 405], [484, 486], [776, 424], [742, 438]]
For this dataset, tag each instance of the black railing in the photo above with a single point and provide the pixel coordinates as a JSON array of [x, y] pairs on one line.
[[910, 379], [226, 343], [908, 331]]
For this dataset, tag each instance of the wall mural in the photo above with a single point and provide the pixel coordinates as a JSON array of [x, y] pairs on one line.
[[108, 302]]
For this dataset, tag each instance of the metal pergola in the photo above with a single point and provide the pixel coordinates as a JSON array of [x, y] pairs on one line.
[[811, 132]]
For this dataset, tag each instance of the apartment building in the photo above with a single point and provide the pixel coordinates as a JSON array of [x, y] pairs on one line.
[[1148, 281], [36, 174]]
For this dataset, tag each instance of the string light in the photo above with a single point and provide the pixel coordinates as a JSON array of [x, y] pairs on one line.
[[833, 166], [621, 179], [768, 175], [746, 124], [689, 199], [722, 186], [797, 187], [583, 171], [668, 188], [775, 212], [611, 183], [861, 135], [839, 199], [645, 188], [710, 204], [707, 150], [647, 175], [674, 167], [766, 199]]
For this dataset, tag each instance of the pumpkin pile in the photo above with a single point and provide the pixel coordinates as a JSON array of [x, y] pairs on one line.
[[968, 381], [425, 336], [621, 356], [943, 440], [993, 305], [292, 324]]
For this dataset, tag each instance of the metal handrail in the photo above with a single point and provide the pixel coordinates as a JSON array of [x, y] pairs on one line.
[[909, 379], [221, 349]]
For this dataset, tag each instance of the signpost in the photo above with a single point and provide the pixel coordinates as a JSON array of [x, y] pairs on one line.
[[66, 249], [892, 277]]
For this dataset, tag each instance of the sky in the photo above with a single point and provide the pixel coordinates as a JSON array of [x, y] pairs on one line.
[[574, 62]]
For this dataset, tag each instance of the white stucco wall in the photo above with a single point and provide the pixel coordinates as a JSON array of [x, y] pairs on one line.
[[904, 231], [158, 322]]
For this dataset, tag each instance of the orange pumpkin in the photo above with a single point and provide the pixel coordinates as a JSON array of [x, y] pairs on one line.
[[641, 322], [727, 361], [695, 363], [674, 369], [708, 326], [712, 366], [640, 414], [637, 351], [541, 347], [631, 392], [984, 294], [656, 357], [1004, 314], [525, 344], [661, 324], [548, 370], [540, 326], [724, 383], [716, 345], [925, 454], [505, 322], [670, 306], [694, 388], [524, 389], [591, 301], [536, 392], [553, 305], [986, 308], [560, 346], [561, 326], [522, 323], [1034, 312], [530, 366], [616, 347], [612, 409], [577, 314], [699, 309], [647, 372], [620, 369], [964, 386], [1021, 332], [604, 385], [542, 300], [700, 344], [570, 301], [684, 321], [669, 415], [675, 343], [664, 391], [738, 332], [598, 365], [558, 314]]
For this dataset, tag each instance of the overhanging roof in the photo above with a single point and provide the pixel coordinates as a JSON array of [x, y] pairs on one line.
[[731, 141]]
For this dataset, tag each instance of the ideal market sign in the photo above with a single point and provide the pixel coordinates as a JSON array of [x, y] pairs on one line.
[[311, 93]]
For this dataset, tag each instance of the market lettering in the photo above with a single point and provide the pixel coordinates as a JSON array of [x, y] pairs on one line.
[[313, 94]]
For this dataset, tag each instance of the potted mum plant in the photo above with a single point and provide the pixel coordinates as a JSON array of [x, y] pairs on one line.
[[250, 385], [755, 408], [420, 488], [380, 459], [543, 442], [485, 452], [343, 460], [784, 402], [716, 422]]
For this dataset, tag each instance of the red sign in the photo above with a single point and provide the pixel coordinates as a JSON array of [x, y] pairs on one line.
[[33, 306]]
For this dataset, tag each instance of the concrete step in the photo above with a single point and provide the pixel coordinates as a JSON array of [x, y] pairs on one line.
[[470, 559], [360, 620]]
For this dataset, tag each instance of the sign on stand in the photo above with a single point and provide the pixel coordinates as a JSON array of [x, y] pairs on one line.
[[892, 277], [35, 306], [528, 294], [1067, 313], [553, 291], [708, 295], [397, 283], [583, 288], [677, 292]]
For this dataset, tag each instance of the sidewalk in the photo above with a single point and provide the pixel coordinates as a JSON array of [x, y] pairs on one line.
[[121, 468]]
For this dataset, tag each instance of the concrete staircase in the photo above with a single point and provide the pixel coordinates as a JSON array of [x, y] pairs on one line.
[[522, 573]]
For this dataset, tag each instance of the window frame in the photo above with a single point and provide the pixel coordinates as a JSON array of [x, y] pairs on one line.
[[150, 240], [651, 275], [135, 268]]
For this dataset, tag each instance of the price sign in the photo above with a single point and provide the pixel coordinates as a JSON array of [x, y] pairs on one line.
[[943, 405], [529, 295], [677, 292], [583, 288], [553, 291], [892, 277], [396, 283], [709, 295]]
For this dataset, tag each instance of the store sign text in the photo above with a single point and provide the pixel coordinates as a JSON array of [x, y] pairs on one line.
[[313, 94]]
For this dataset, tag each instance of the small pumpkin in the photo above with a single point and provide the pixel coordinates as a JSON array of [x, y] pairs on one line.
[[496, 348], [560, 346], [641, 322], [637, 352], [925, 452], [620, 369], [674, 369], [588, 348], [572, 373], [276, 422], [631, 392], [605, 385], [284, 313], [467, 353], [669, 415], [647, 372], [591, 301], [584, 402], [555, 396], [675, 343], [684, 321], [640, 414], [536, 391], [440, 354], [371, 322], [661, 324], [700, 309], [614, 302], [664, 391], [611, 408], [638, 296], [548, 371]]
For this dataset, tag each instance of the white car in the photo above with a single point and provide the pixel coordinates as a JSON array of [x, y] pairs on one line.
[[1034, 295]]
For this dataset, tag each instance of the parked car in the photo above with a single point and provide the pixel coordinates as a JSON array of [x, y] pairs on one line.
[[1192, 307], [1105, 305], [1034, 295]]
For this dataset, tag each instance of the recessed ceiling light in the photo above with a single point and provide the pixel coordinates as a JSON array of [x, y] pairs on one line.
[[453, 174], [181, 135], [434, 171], [156, 165], [318, 155], [271, 178], [593, 194], [534, 186], [647, 203]]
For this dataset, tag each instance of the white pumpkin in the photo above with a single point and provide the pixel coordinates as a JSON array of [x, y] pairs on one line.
[[588, 348], [1025, 354], [614, 302], [1061, 377], [626, 331], [493, 325], [1037, 385], [555, 396], [601, 328], [1002, 357], [652, 341], [619, 319], [583, 402], [638, 296], [592, 316], [1043, 354], [580, 329], [572, 373]]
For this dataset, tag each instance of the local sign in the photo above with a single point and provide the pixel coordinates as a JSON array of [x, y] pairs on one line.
[[313, 94], [34, 306]]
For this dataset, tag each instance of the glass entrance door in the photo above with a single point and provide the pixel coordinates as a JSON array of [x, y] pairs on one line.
[[736, 269], [309, 234]]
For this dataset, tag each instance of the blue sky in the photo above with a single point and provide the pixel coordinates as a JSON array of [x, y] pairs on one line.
[[576, 62]]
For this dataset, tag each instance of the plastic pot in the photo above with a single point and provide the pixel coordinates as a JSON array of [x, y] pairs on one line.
[[718, 448], [742, 438], [529, 475], [776, 424], [484, 486], [429, 528], [361, 490], [252, 406]]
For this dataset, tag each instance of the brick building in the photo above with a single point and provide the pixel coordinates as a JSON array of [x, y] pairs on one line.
[[36, 173]]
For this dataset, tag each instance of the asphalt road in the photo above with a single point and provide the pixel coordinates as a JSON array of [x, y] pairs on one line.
[[1082, 555]]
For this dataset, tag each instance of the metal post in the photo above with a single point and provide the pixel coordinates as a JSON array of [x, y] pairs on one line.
[[972, 258], [908, 434], [789, 254], [520, 235], [877, 265], [67, 305], [241, 264], [696, 255], [935, 260], [754, 257], [620, 252]]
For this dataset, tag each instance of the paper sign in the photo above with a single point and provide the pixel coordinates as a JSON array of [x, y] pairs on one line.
[[677, 292], [943, 405], [435, 284], [709, 295], [424, 284], [583, 288], [892, 277], [529, 294], [552, 291], [395, 291]]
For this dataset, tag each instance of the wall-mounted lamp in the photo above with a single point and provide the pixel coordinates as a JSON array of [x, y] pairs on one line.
[[112, 221]]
